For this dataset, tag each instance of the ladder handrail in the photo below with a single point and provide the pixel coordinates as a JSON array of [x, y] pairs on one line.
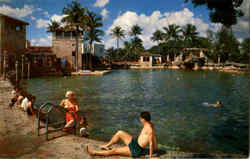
[[44, 105], [47, 116]]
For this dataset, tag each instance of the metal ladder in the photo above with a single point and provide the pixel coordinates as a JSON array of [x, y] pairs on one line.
[[49, 107]]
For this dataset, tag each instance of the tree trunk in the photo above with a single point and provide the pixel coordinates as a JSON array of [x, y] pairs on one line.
[[117, 42], [76, 50], [159, 49], [90, 56]]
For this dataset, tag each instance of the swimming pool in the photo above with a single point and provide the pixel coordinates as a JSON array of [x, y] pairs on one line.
[[174, 98]]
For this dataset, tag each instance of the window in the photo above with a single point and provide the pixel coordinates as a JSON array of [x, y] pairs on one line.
[[73, 34], [18, 28], [146, 59], [59, 35], [67, 35]]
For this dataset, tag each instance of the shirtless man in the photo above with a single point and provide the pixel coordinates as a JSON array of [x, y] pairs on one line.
[[134, 146]]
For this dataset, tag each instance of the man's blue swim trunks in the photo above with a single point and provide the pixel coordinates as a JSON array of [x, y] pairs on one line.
[[135, 149]]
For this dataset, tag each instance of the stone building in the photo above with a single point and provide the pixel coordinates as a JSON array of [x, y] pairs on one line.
[[92, 56], [193, 58], [12, 40], [63, 46], [98, 49], [42, 61], [149, 60]]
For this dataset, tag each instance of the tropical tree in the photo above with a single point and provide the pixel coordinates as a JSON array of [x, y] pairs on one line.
[[128, 48], [171, 38], [226, 44], [190, 34], [111, 52], [136, 42], [225, 12], [172, 32], [75, 16], [158, 37], [135, 31], [92, 32], [245, 47], [137, 47], [53, 26], [118, 33]]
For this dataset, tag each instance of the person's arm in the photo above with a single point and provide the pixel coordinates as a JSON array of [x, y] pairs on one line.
[[151, 144], [77, 107], [31, 108], [62, 103]]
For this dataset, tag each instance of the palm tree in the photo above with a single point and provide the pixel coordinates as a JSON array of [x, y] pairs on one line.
[[128, 48], [53, 26], [135, 30], [158, 37], [136, 42], [111, 54], [190, 34], [137, 46], [118, 33], [75, 15], [172, 32], [92, 32]]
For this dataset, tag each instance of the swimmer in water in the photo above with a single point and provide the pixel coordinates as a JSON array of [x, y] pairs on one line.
[[218, 104]]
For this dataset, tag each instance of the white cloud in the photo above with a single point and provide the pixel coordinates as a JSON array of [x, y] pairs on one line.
[[41, 23], [33, 18], [241, 29], [104, 13], [156, 20], [17, 12], [57, 18], [101, 3], [44, 41]]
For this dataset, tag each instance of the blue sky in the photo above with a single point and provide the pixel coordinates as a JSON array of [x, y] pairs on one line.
[[149, 14]]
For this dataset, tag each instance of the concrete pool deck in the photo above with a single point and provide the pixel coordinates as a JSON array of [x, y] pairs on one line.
[[18, 138]]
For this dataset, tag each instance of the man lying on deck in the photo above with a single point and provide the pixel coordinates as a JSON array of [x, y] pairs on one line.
[[134, 146]]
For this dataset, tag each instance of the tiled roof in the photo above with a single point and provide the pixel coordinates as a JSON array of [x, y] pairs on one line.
[[149, 54], [39, 50], [14, 19]]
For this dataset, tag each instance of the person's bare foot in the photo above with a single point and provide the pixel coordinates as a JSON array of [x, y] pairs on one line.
[[82, 121], [104, 147], [67, 130]]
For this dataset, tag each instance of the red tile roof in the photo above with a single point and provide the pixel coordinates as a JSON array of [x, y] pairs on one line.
[[14, 19], [39, 50], [149, 54]]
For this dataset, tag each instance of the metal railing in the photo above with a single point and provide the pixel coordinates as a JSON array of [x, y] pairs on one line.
[[46, 109]]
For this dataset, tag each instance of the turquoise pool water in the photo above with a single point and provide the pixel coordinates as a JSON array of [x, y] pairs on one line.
[[174, 98]]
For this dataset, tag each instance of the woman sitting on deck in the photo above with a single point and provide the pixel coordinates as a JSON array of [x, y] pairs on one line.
[[71, 105]]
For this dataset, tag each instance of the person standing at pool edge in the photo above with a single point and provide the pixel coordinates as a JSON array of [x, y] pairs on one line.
[[134, 146], [71, 105]]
